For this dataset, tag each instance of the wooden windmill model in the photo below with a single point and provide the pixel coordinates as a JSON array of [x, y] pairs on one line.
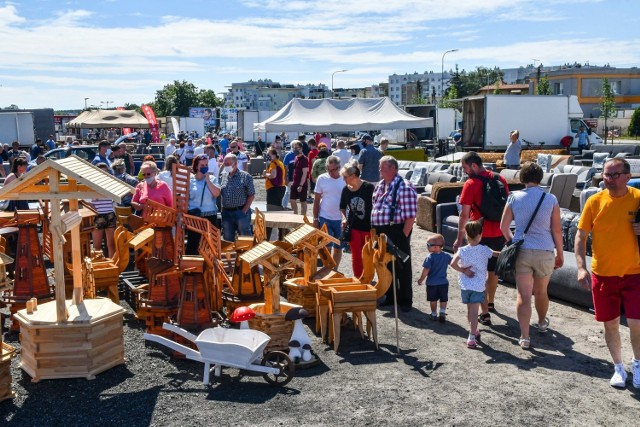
[[30, 276]]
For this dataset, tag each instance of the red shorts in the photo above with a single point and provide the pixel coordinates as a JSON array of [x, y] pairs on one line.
[[610, 292]]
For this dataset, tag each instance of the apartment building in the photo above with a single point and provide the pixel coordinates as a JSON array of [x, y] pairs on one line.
[[585, 82]]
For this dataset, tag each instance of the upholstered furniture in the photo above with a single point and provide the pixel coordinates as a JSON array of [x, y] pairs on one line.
[[584, 173], [441, 192]]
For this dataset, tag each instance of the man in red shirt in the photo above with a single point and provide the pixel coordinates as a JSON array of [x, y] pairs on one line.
[[471, 199]]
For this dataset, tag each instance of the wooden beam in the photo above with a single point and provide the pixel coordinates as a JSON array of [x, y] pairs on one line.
[[76, 256], [58, 252]]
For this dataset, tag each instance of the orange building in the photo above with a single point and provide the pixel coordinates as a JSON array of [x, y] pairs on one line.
[[586, 83]]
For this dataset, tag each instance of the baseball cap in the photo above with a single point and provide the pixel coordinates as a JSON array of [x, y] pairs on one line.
[[366, 137]]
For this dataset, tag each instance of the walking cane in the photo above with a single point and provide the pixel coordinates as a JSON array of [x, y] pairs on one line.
[[395, 302]]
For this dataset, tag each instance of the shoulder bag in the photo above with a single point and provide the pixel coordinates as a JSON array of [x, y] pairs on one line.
[[506, 263]]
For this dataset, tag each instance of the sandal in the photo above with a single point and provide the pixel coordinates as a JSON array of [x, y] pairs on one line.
[[485, 319], [524, 343], [544, 326], [492, 307]]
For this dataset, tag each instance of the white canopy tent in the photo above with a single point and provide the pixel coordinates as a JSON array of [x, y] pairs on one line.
[[340, 115], [109, 119]]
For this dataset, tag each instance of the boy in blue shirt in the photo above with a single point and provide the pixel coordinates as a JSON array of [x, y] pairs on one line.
[[434, 269]]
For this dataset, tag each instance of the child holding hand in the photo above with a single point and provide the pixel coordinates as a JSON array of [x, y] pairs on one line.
[[434, 269], [471, 263]]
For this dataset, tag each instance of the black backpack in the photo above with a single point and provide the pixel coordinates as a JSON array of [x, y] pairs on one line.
[[494, 198]]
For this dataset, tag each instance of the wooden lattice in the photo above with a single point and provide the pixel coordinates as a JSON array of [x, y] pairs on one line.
[[259, 227], [159, 215]]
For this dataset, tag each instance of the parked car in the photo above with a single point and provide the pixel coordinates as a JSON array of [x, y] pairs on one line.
[[86, 152]]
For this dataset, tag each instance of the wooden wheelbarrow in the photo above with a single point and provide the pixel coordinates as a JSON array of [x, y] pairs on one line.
[[233, 348]]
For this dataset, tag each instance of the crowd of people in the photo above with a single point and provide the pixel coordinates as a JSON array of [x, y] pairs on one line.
[[358, 188]]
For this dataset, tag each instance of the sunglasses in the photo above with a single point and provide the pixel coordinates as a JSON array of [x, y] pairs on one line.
[[431, 245], [614, 175]]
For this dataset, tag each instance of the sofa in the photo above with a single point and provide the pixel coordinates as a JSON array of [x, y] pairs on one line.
[[429, 167], [441, 192], [585, 174], [405, 167], [526, 155]]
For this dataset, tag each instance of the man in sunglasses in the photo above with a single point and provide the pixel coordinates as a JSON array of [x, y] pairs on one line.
[[610, 216], [241, 157]]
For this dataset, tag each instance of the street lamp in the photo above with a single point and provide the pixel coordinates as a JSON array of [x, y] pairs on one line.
[[442, 72], [85, 103], [333, 74], [106, 102], [442, 88]]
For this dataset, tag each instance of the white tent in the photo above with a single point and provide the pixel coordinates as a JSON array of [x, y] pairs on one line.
[[340, 115]]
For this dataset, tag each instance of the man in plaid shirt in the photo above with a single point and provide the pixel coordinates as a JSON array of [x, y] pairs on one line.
[[395, 193]]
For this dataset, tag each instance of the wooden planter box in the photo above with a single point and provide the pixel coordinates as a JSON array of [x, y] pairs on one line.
[[89, 342], [6, 354]]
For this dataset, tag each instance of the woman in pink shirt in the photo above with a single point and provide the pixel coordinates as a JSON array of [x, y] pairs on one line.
[[151, 188]]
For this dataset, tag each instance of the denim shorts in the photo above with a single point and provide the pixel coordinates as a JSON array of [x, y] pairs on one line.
[[334, 228], [471, 297]]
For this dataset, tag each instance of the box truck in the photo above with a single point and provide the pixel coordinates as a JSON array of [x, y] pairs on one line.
[[542, 120], [17, 126]]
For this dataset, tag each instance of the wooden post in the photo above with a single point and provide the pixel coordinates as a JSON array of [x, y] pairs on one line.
[[75, 249], [57, 246]]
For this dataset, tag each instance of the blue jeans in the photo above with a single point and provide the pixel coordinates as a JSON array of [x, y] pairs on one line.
[[235, 221], [334, 228]]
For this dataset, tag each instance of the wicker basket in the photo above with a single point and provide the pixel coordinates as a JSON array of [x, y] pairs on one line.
[[300, 294], [274, 325]]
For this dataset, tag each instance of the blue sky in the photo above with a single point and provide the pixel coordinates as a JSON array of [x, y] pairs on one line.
[[56, 53]]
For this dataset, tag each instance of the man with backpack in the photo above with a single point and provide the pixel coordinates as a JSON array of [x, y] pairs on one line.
[[483, 198]]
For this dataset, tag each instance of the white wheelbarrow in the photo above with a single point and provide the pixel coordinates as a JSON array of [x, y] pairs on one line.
[[234, 348]]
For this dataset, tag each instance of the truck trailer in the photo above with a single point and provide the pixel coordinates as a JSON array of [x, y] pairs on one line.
[[17, 126], [542, 120]]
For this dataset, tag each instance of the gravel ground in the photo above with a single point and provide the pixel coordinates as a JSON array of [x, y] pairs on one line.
[[433, 380]]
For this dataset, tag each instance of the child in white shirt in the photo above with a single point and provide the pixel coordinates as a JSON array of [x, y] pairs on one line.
[[471, 263]]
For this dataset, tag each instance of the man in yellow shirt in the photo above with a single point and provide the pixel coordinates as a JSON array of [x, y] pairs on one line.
[[615, 279]]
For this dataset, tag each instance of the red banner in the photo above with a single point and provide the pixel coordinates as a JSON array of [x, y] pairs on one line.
[[125, 131], [153, 123]]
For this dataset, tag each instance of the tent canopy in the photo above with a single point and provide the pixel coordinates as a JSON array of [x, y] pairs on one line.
[[109, 119], [340, 115]]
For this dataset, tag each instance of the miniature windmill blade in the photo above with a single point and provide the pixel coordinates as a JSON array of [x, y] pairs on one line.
[[181, 177], [158, 214]]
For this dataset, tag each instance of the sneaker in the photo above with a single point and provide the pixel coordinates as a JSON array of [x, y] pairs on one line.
[[619, 378], [471, 342], [442, 317], [635, 370], [485, 319], [433, 316]]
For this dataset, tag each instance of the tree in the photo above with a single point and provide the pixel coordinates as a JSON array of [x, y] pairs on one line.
[[543, 87], [607, 105], [447, 102], [208, 98], [471, 82], [634, 124], [496, 89], [175, 99]]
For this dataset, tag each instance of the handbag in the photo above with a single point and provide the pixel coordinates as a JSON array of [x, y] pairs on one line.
[[506, 263], [198, 211], [345, 235]]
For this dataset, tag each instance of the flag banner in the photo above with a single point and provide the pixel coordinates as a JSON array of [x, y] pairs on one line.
[[153, 123]]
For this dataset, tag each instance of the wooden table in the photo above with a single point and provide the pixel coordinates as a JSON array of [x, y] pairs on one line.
[[281, 220]]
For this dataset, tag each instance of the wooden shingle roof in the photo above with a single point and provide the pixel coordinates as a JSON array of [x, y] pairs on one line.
[[83, 181]]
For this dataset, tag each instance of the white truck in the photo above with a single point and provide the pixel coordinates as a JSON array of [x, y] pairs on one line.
[[543, 120], [17, 126]]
